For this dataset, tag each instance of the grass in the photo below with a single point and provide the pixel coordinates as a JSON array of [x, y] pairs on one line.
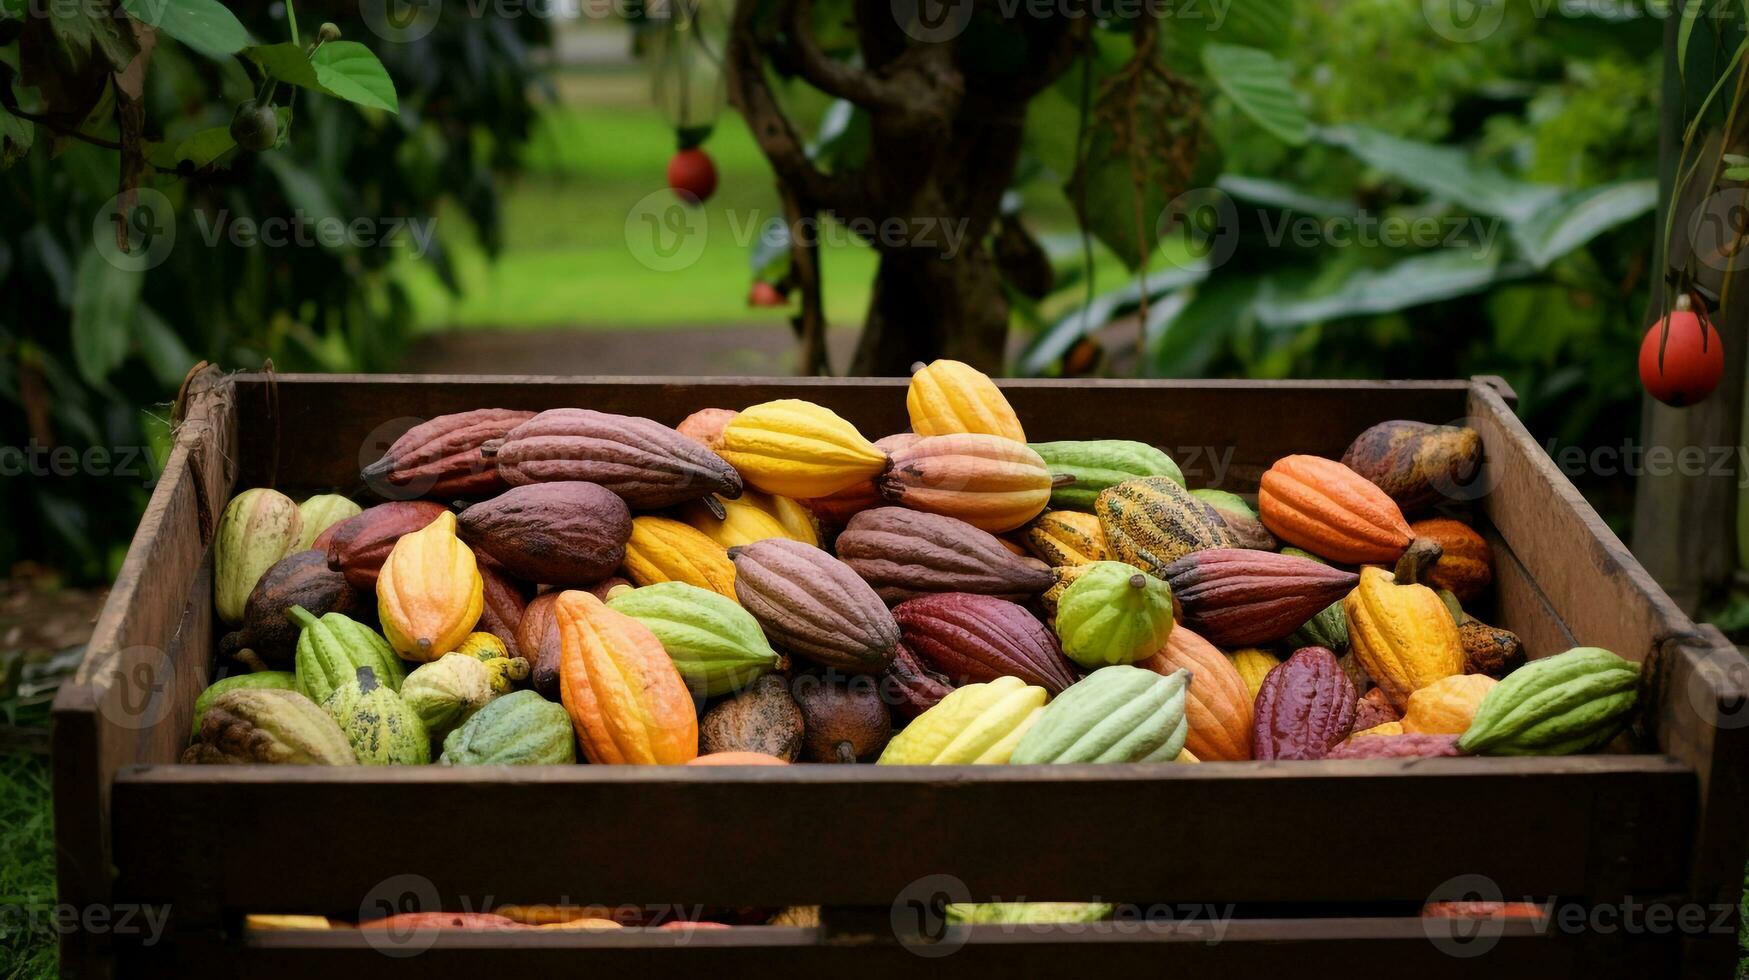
[[27, 875]]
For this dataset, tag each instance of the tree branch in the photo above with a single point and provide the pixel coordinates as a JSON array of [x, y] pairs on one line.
[[1068, 46], [804, 264], [826, 73], [776, 136]]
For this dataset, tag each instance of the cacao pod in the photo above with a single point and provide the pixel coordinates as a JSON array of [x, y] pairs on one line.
[[662, 549], [1466, 563], [560, 533], [1571, 702], [706, 425], [429, 593], [843, 719], [645, 462], [1328, 629], [358, 546], [1066, 537], [1397, 747], [1243, 524], [1238, 597], [1218, 705], [1304, 708], [1399, 631], [1352, 669], [257, 529], [1381, 729], [1446, 706], [1115, 714], [447, 691], [737, 759], [381, 728], [1113, 613], [979, 724], [484, 646], [989, 482], [755, 516], [321, 512], [1374, 709], [715, 644], [1064, 576], [906, 553], [441, 457], [1152, 522], [1096, 464], [519, 729], [799, 449], [1332, 511], [975, 638], [282, 680], [1253, 666], [762, 718], [501, 604], [836, 509], [625, 698], [1489, 650], [537, 636], [330, 649], [256, 725], [814, 605], [1415, 463], [302, 578], [1026, 913], [910, 686], [949, 397]]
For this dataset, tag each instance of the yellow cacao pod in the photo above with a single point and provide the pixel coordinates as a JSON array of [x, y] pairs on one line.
[[978, 724], [1448, 705], [798, 449], [1388, 728], [1253, 664], [429, 593], [1401, 633], [662, 549], [950, 396], [1066, 537], [1152, 522], [753, 517]]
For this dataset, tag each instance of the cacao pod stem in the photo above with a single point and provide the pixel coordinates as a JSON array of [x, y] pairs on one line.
[[249, 659], [1138, 581], [1419, 557], [844, 753], [518, 669], [715, 506], [301, 616], [489, 448], [379, 468]]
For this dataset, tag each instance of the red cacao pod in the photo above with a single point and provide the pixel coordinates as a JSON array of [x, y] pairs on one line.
[[1374, 709], [906, 553], [976, 638], [503, 600], [441, 458], [910, 687], [360, 544], [1304, 708], [537, 637], [1238, 597], [648, 464], [564, 533], [1413, 746]]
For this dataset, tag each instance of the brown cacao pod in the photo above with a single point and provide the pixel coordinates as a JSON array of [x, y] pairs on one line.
[[975, 638], [503, 600], [1396, 747], [1304, 708], [814, 605], [1489, 650], [906, 553], [441, 457], [1239, 597], [1414, 463], [563, 533], [358, 546], [911, 687], [1374, 709], [302, 578], [537, 638], [648, 464], [762, 717], [843, 718]]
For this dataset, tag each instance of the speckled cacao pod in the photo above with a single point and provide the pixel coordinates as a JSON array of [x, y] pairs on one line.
[[563, 533], [299, 579], [441, 458], [763, 717], [1238, 597], [814, 605], [1415, 463], [974, 638], [1396, 747], [910, 686], [1304, 708], [1241, 519], [905, 553], [358, 546], [648, 464], [1489, 650]]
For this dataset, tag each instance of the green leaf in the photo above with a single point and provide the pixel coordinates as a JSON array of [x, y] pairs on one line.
[[1054, 341], [1256, 23], [1736, 173], [1187, 339], [204, 25], [1690, 10], [1579, 217], [304, 191], [348, 70], [1426, 278], [165, 354], [104, 297], [1261, 87], [203, 147], [16, 136], [1286, 197], [1445, 172]]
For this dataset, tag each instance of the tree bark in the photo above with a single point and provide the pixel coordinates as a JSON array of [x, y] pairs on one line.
[[924, 307]]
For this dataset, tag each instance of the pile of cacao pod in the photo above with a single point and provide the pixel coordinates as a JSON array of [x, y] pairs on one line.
[[766, 586]]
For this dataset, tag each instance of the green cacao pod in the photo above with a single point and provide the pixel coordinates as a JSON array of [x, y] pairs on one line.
[[332, 648], [382, 729], [1241, 519], [280, 680], [716, 645], [321, 512], [519, 729], [1153, 522], [1113, 613], [1571, 702], [1115, 714], [258, 528], [1026, 913], [255, 725], [1328, 629], [1099, 463], [447, 691]]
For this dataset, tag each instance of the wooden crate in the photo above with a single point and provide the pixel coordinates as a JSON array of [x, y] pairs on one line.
[[1324, 862]]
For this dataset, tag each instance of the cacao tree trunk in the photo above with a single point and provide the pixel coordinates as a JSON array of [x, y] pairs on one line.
[[924, 307]]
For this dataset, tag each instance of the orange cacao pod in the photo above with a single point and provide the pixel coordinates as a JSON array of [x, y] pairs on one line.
[[625, 697], [1332, 511]]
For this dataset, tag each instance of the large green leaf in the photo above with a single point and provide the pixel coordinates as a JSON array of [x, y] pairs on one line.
[[344, 69], [104, 296], [204, 25], [1579, 217], [1286, 197], [1425, 278], [1261, 88], [1685, 30], [1187, 339], [1445, 172], [1054, 341]]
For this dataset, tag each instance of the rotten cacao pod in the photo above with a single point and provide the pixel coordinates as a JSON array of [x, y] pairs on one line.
[[843, 718], [648, 464], [304, 579], [976, 638], [814, 605], [441, 457], [762, 717], [564, 533], [906, 553], [1239, 597], [1304, 709], [1417, 464], [358, 546], [911, 687], [1374, 709]]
